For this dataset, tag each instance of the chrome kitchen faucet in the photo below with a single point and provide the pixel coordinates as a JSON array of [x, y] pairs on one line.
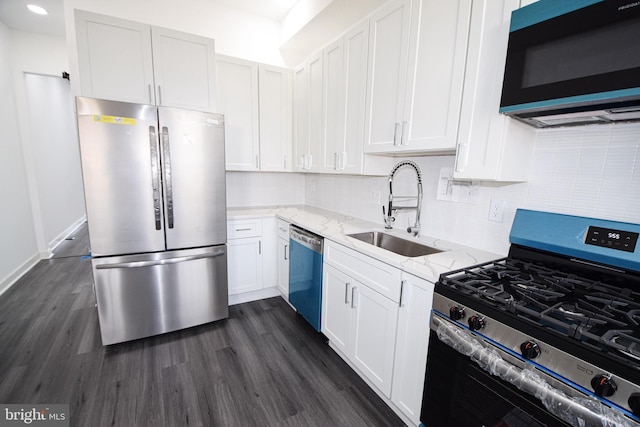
[[392, 210]]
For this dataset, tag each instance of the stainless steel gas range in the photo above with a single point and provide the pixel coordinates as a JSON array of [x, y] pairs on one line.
[[549, 336]]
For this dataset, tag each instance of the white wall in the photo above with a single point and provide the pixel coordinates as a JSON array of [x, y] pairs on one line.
[[18, 249], [588, 171], [56, 158], [47, 56], [252, 189]]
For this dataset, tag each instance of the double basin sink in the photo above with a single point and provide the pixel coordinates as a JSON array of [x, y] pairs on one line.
[[394, 244]]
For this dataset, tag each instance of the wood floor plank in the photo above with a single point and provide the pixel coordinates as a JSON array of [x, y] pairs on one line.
[[263, 366]]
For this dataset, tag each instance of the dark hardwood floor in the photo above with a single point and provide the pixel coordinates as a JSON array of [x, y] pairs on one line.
[[264, 366], [76, 245]]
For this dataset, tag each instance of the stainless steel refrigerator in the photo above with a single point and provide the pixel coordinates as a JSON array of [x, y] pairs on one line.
[[154, 181]]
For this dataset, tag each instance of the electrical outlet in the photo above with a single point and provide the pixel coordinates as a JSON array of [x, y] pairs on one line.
[[496, 210]]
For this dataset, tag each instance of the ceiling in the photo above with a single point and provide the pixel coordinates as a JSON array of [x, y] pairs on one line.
[[15, 15]]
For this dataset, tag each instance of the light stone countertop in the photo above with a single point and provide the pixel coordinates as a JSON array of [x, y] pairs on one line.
[[335, 227]]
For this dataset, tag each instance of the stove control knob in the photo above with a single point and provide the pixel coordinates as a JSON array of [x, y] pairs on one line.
[[603, 385], [634, 404], [456, 312], [530, 350], [476, 322]]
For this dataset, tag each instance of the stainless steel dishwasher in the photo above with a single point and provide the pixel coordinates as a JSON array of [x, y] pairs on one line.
[[305, 274]]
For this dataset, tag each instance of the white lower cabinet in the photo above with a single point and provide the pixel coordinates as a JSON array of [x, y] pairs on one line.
[[359, 321], [382, 331], [251, 259], [283, 258], [411, 345]]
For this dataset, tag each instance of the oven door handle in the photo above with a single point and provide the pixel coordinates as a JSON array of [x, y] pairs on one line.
[[575, 410]]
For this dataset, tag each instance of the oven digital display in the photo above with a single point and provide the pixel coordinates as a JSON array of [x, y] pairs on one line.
[[614, 239]]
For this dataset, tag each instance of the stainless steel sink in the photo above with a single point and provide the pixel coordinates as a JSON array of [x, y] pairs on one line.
[[394, 244]]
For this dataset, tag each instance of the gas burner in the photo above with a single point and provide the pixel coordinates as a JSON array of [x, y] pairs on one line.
[[570, 311], [623, 342]]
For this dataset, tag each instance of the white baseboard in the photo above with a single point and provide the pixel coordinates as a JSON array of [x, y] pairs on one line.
[[16, 274], [254, 296], [53, 244]]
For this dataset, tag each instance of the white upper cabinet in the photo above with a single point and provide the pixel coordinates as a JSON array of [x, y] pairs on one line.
[[333, 129], [435, 74], [115, 58], [184, 70], [308, 114], [491, 146], [388, 56], [238, 101], [256, 101], [134, 62], [417, 58], [274, 85], [300, 117], [329, 131], [356, 48]]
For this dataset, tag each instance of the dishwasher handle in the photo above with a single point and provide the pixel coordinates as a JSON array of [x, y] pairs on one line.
[[306, 238]]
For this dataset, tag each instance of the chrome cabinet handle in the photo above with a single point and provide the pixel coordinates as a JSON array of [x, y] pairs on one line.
[[286, 255], [353, 305], [166, 153], [155, 177], [395, 134], [402, 285], [346, 292], [259, 247], [159, 95]]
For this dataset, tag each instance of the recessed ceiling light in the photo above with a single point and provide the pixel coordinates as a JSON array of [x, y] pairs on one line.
[[37, 9]]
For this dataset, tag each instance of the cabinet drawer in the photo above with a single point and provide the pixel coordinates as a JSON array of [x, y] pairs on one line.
[[283, 229], [244, 228], [377, 275]]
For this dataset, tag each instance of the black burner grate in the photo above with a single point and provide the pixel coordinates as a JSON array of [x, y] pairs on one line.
[[602, 315]]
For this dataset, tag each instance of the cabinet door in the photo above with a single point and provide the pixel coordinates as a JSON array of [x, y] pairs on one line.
[[283, 267], [386, 80], [316, 112], [374, 336], [356, 47], [491, 146], [411, 345], [184, 67], [244, 263], [274, 85], [300, 116], [114, 58], [333, 103], [238, 101], [337, 296], [437, 56]]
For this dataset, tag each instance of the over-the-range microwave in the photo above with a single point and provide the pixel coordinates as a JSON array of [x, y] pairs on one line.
[[573, 62]]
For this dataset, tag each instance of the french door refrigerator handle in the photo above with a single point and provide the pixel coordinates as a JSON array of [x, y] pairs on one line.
[[166, 155], [151, 263], [155, 176]]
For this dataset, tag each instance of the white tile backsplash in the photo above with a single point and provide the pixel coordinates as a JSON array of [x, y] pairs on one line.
[[588, 171], [250, 189]]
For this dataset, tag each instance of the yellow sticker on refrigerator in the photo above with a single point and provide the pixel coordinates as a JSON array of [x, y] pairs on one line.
[[114, 120]]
